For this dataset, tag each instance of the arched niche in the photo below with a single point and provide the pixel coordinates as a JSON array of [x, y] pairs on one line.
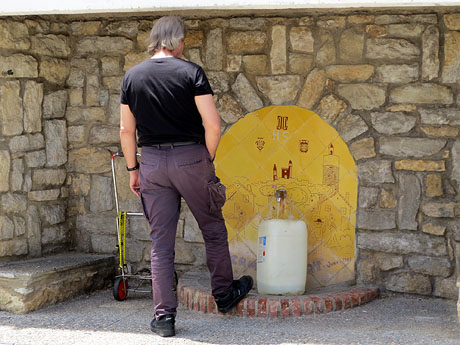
[[293, 148]]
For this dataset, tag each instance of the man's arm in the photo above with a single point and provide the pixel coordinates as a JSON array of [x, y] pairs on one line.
[[211, 122], [128, 145]]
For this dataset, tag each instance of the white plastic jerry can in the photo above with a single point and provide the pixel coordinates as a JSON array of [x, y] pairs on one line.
[[282, 257]]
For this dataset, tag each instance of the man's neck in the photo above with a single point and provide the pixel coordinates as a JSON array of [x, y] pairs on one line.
[[162, 53]]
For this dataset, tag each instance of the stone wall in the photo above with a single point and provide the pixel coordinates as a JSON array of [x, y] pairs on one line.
[[389, 82]]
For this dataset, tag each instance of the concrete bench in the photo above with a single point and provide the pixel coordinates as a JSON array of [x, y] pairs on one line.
[[31, 284]]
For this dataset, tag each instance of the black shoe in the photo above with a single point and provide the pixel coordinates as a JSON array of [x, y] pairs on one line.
[[164, 326], [241, 287]]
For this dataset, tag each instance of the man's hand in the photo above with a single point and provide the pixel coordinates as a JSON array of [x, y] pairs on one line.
[[134, 182]]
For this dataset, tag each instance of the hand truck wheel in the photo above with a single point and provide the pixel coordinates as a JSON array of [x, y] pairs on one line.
[[120, 289]]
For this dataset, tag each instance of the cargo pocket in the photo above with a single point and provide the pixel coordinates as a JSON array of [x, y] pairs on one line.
[[217, 196]]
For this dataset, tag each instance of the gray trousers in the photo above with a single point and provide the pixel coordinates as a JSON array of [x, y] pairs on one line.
[[166, 174]]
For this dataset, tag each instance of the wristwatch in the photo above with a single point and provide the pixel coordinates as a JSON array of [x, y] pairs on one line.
[[133, 168]]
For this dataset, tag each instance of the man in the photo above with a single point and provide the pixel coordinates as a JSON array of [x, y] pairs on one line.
[[169, 102]]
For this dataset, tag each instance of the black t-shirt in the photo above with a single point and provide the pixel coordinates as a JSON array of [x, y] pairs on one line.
[[161, 95]]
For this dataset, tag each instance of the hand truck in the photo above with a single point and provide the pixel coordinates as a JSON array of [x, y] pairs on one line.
[[120, 286]]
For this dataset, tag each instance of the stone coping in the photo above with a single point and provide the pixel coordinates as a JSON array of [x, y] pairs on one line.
[[194, 294]]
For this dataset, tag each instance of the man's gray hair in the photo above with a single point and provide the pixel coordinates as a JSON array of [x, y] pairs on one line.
[[166, 33]]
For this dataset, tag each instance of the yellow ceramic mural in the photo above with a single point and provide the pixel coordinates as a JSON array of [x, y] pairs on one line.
[[292, 148]]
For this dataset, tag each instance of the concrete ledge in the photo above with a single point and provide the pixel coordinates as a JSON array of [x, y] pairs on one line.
[[194, 294], [31, 284]]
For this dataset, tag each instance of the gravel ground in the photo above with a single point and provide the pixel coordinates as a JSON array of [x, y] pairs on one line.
[[99, 319]]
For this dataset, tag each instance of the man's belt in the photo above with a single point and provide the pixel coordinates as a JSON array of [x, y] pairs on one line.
[[174, 144]]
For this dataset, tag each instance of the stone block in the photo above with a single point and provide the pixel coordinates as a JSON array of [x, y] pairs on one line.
[[246, 23], [88, 28], [255, 64], [412, 30], [17, 174], [103, 45], [32, 103], [430, 53], [29, 285], [433, 266], [246, 94], [194, 38], [54, 70], [6, 228], [111, 66], [102, 135], [14, 203], [22, 66], [133, 59], [234, 63], [445, 131], [80, 115], [97, 223], [100, 194], [439, 209], [214, 52], [452, 21], [351, 127], [363, 96], [409, 283], [127, 28], [402, 18], [246, 41], [279, 89], [409, 200], [445, 288], [35, 159], [278, 54], [34, 236], [53, 214], [433, 229], [54, 104], [76, 134], [332, 23], [402, 243], [351, 46], [397, 73], [350, 73], [56, 234], [50, 45], [410, 147], [391, 49], [407, 108], [327, 53], [91, 160], [375, 31], [112, 83], [387, 199], [16, 247], [5, 165], [229, 109], [220, 81], [440, 116], [301, 39], [455, 174], [43, 178], [392, 122], [56, 142], [300, 63], [375, 172], [113, 115], [364, 148], [376, 219], [388, 263], [44, 195], [80, 184], [361, 19], [14, 35], [11, 109], [422, 94], [312, 89], [420, 165], [330, 108], [433, 185], [19, 226], [450, 72], [184, 253], [367, 197], [29, 142]]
